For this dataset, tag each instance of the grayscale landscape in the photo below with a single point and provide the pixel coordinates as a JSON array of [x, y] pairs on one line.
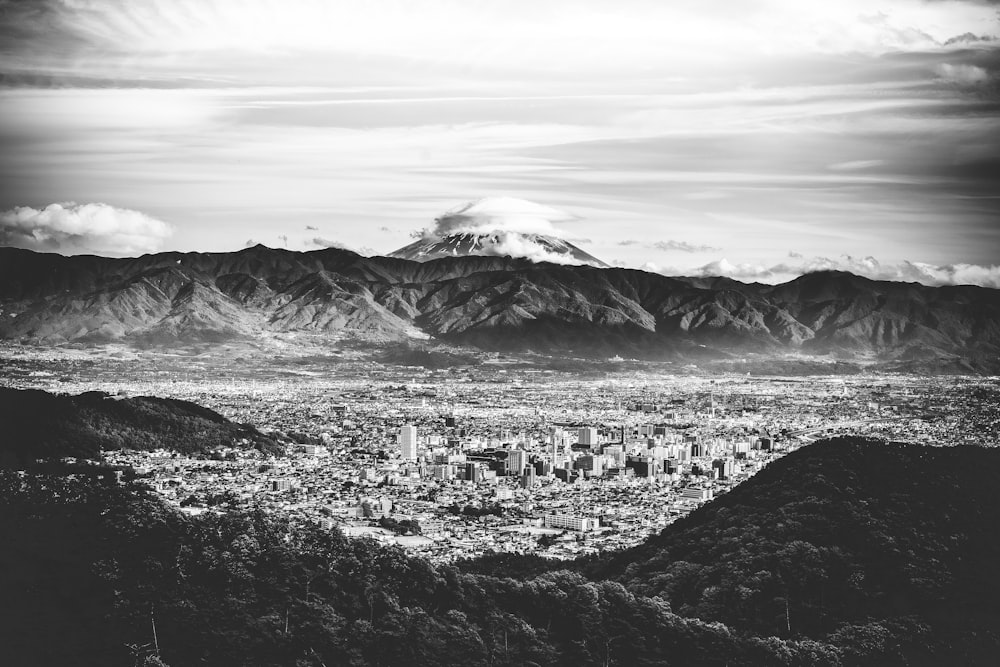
[[449, 333]]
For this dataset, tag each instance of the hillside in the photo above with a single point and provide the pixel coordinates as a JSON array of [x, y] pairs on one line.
[[847, 552], [846, 541], [98, 565], [37, 424], [494, 303]]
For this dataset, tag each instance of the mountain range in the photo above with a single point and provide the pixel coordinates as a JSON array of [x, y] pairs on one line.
[[489, 302]]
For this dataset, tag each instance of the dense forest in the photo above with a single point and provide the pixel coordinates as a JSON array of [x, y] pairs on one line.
[[97, 573], [846, 552], [37, 424], [885, 548]]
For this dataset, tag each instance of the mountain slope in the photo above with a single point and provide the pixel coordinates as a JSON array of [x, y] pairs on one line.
[[37, 424], [843, 539], [489, 301]]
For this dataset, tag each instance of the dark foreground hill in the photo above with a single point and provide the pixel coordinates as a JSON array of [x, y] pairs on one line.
[[850, 552], [855, 542], [495, 303], [35, 424]]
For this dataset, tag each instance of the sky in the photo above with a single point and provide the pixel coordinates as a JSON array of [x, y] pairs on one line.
[[757, 139]]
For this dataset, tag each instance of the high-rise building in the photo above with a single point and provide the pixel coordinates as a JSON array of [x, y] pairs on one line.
[[516, 459], [473, 472], [408, 442], [616, 453], [587, 436]]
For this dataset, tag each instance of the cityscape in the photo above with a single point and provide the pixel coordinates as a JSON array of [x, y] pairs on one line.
[[462, 462]]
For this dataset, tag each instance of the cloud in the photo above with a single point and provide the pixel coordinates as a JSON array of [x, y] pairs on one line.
[[249, 243], [854, 165], [968, 38], [312, 229], [500, 214], [329, 243], [682, 246], [71, 228], [326, 243], [869, 267], [283, 238], [967, 75], [516, 245], [794, 255], [671, 245]]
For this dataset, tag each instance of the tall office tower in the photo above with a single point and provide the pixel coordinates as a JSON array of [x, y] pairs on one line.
[[516, 459], [556, 440], [408, 442], [587, 436]]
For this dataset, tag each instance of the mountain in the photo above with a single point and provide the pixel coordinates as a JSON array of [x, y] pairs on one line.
[[38, 424], [848, 541], [490, 302], [497, 244]]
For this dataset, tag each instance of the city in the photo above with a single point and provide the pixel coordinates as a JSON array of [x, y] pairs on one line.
[[496, 458]]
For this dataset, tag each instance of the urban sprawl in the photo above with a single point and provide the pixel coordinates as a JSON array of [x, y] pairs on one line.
[[459, 463]]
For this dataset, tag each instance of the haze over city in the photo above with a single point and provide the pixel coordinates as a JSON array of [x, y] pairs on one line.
[[758, 141]]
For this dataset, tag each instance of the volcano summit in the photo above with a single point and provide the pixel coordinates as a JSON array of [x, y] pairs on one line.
[[499, 226]]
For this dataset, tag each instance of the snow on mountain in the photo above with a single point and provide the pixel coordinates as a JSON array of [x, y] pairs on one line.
[[499, 226]]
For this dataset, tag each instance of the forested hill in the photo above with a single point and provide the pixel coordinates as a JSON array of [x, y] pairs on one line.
[[89, 568], [37, 424], [856, 542], [849, 552]]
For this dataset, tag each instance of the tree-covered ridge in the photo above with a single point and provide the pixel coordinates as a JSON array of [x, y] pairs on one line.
[[848, 552], [869, 545], [37, 424], [95, 566]]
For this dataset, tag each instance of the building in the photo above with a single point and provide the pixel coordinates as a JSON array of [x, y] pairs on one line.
[[516, 460], [473, 472], [724, 468], [587, 436], [616, 453], [643, 466], [408, 442], [696, 493], [570, 522]]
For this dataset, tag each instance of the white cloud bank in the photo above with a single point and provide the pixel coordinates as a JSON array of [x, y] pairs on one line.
[[869, 267], [515, 245], [74, 229]]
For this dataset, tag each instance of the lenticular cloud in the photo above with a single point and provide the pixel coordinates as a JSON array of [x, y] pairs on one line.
[[72, 228], [500, 214]]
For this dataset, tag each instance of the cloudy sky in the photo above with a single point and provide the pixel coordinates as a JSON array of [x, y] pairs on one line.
[[756, 139]]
